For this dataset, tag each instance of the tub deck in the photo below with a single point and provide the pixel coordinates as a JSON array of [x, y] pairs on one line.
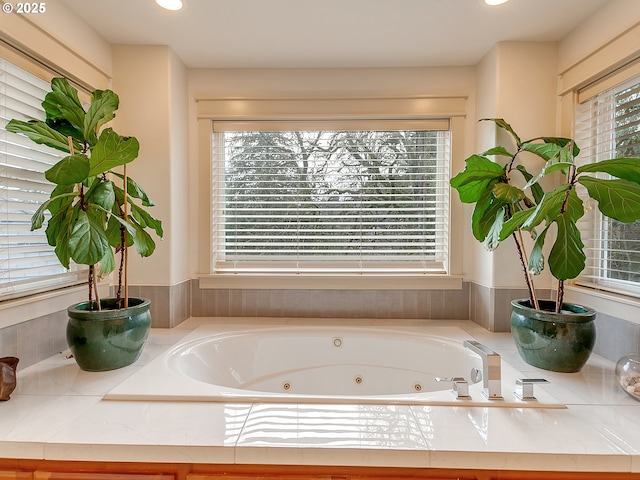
[[58, 413]]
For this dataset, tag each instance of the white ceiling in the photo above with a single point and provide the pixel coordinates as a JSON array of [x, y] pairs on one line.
[[332, 33]]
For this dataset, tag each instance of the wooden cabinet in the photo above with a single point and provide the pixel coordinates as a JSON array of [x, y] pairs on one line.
[[13, 469], [9, 475], [43, 475]]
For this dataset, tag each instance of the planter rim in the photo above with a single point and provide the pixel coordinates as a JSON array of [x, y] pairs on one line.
[[571, 313], [79, 312]]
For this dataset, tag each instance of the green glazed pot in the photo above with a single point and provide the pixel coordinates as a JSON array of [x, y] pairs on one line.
[[110, 338], [560, 342]]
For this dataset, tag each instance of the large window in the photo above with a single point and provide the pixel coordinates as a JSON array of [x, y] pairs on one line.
[[608, 126], [309, 199], [27, 263]]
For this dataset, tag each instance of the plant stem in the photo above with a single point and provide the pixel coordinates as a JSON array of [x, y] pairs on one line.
[[571, 180], [125, 256], [120, 268], [90, 282], [560, 298], [95, 289], [533, 299]]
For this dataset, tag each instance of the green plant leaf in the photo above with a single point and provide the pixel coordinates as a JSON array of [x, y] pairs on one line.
[[508, 193], [625, 168], [558, 158], [107, 263], [514, 223], [566, 259], [548, 209], [536, 256], [562, 142], [479, 175], [145, 219], [479, 226], [536, 189], [37, 219], [101, 193], [41, 133], [112, 150], [62, 232], [504, 125], [574, 208], [134, 190], [113, 231], [62, 200], [62, 252], [69, 171], [62, 103], [493, 237], [546, 151], [88, 242], [499, 150], [104, 103], [618, 199], [143, 242]]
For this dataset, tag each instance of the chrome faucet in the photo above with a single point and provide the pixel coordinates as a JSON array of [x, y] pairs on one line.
[[491, 371]]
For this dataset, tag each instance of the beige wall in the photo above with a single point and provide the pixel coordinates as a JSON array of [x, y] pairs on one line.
[[151, 83], [604, 27], [63, 41], [517, 82]]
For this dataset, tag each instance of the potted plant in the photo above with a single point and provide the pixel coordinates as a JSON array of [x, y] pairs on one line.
[[511, 202], [92, 216]]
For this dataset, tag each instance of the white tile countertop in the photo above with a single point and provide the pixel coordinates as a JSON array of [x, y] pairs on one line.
[[57, 412]]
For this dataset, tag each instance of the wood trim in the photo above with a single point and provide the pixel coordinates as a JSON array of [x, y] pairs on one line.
[[19, 469]]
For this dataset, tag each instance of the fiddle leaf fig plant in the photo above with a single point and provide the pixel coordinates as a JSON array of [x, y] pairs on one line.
[[510, 202], [91, 213]]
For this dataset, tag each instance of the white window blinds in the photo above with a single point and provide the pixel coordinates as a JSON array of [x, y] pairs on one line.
[[608, 126], [27, 263], [319, 200]]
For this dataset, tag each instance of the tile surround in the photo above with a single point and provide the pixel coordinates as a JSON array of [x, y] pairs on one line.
[[44, 336], [376, 304]]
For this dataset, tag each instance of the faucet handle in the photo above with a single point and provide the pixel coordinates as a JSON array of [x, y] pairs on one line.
[[460, 386], [524, 387]]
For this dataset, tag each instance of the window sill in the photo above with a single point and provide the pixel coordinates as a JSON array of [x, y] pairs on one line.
[[608, 303], [23, 309], [330, 282]]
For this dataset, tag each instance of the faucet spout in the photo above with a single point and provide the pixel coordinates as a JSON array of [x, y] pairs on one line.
[[491, 369]]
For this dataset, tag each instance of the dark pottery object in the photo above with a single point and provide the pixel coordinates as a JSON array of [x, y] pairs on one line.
[[109, 338], [8, 367], [560, 342]]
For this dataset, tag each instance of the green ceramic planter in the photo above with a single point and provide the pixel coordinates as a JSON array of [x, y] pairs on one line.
[[560, 342], [110, 338]]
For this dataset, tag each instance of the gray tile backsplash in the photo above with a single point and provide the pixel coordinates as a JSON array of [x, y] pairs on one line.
[[378, 304], [42, 337]]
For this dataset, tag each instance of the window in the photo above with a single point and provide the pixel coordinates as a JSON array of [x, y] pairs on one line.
[[27, 262], [608, 126], [316, 199]]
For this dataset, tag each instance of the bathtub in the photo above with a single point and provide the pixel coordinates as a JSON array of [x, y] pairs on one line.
[[319, 364]]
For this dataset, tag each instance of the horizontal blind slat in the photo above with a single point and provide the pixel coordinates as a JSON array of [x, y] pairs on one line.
[[608, 126], [316, 198], [27, 262]]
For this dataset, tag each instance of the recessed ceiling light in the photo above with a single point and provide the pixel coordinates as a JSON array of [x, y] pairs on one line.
[[170, 4], [495, 2]]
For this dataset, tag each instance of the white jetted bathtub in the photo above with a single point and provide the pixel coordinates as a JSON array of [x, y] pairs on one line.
[[327, 364]]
